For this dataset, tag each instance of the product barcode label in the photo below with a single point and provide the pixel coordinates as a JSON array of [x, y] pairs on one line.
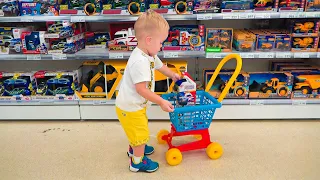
[[247, 55], [316, 15], [318, 55], [204, 16], [301, 15], [299, 102], [230, 16], [170, 54], [262, 16], [27, 19], [246, 16], [283, 55], [256, 102], [116, 55], [59, 56], [78, 19], [288, 15], [266, 55], [34, 57], [301, 55], [214, 55]]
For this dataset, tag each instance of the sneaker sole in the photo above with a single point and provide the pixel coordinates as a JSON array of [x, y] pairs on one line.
[[139, 170], [130, 155]]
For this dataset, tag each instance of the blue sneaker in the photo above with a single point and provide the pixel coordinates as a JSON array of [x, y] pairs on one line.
[[148, 150], [146, 165]]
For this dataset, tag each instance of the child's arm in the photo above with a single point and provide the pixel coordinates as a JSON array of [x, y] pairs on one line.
[[142, 89], [167, 72]]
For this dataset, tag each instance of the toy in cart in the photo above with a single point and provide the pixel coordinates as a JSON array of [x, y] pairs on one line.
[[186, 90], [196, 119]]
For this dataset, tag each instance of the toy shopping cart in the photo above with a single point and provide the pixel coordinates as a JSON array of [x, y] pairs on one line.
[[195, 120]]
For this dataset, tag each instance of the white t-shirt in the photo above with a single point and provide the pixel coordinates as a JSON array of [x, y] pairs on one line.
[[140, 68]]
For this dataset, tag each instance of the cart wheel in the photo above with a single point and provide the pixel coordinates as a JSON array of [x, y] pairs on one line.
[[198, 137], [214, 151], [173, 156], [160, 134]]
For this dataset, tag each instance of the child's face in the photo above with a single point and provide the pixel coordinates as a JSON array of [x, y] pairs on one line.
[[154, 43]]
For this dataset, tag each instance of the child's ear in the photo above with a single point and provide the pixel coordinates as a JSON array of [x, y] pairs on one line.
[[148, 40]]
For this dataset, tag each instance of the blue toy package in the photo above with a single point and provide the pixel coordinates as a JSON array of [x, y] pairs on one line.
[[265, 42], [237, 6], [29, 8], [9, 8], [312, 5], [34, 42], [264, 85], [97, 40], [206, 6], [282, 42], [186, 90]]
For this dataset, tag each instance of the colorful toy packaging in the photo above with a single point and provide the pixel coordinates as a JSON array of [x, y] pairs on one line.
[[186, 90], [124, 7], [16, 86], [56, 85], [122, 37], [96, 40], [243, 40], [34, 42], [9, 8], [282, 42], [291, 5], [185, 38], [172, 6], [304, 27], [218, 39], [304, 44], [306, 84], [206, 6], [265, 85], [67, 45], [64, 29], [265, 5], [35, 8], [312, 5], [80, 7], [229, 6]]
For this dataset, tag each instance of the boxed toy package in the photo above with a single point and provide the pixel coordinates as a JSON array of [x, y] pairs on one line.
[[219, 39], [306, 84], [67, 45], [265, 5], [80, 7], [264, 85], [186, 90], [64, 29], [185, 38], [16, 86], [229, 6], [172, 6], [282, 42], [133, 7], [304, 44], [206, 6], [244, 40], [34, 42], [9, 8], [291, 5], [312, 5], [97, 40], [122, 37], [304, 27], [36, 8], [56, 85]]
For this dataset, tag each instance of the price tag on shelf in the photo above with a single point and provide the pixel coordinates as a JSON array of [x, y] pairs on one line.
[[170, 54], [301, 55], [78, 19], [27, 19], [116, 55], [246, 16], [256, 102], [230, 16], [318, 55], [214, 55], [262, 16], [299, 102], [301, 15], [247, 55], [283, 55], [33, 57], [59, 56], [316, 14], [288, 15], [204, 16], [266, 55]]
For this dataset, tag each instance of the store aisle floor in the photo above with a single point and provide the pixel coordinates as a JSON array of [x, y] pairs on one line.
[[97, 150]]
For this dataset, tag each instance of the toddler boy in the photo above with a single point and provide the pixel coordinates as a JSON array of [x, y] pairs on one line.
[[136, 92]]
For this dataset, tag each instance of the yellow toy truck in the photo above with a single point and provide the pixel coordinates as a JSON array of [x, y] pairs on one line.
[[308, 83], [274, 85]]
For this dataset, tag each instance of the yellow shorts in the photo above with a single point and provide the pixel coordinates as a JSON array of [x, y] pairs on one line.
[[135, 125]]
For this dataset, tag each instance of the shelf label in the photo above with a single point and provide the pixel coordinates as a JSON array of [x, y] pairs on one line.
[[266, 55], [283, 55], [204, 16], [299, 102], [230, 16], [315, 14], [247, 55], [170, 54], [301, 55], [33, 57], [257, 102], [288, 14], [318, 55], [301, 15], [78, 19], [214, 55], [246, 16], [262, 16], [27, 19], [116, 55], [59, 56]]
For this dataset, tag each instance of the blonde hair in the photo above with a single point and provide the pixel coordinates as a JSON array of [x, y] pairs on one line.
[[150, 22]]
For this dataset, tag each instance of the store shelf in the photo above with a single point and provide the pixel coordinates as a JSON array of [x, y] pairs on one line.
[[207, 16]]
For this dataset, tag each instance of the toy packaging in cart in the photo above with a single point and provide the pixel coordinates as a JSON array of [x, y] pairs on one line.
[[196, 119], [16, 86], [186, 90]]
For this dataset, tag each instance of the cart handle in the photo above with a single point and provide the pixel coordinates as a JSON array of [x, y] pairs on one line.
[[233, 77]]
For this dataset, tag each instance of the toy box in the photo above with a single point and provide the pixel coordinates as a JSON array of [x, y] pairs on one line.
[[304, 27], [186, 90], [282, 42], [55, 85], [280, 66], [172, 6], [16, 86], [11, 44], [299, 67], [304, 44], [67, 45], [263, 85], [219, 39], [80, 7], [265, 41], [64, 29], [239, 89], [265, 5], [122, 37], [243, 40], [35, 8], [230, 6], [96, 40], [273, 65], [34, 42], [291, 5], [206, 6], [9, 8], [306, 84], [124, 7], [185, 38], [312, 5]]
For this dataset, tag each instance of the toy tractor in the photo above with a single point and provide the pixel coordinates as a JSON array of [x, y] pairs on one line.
[[263, 3], [308, 83], [236, 88], [304, 28], [275, 86], [303, 42]]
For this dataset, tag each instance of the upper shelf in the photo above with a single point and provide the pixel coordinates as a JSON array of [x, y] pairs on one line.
[[207, 16]]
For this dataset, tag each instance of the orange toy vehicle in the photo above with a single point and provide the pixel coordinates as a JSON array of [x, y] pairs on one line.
[[303, 42], [306, 27], [266, 46]]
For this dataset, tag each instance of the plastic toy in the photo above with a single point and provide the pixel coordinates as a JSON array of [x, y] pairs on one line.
[[218, 39], [67, 45], [304, 27], [291, 5], [270, 85], [186, 90], [172, 6], [81, 7], [97, 40], [312, 5], [63, 29], [34, 43], [195, 120], [124, 40], [282, 42], [9, 8], [206, 6], [265, 5], [236, 6], [244, 40], [304, 44], [185, 38], [306, 84]]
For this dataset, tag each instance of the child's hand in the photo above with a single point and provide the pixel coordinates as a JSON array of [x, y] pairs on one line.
[[166, 106], [176, 77]]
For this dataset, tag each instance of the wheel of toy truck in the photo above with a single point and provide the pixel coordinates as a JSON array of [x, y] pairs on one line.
[[160, 135], [214, 151], [89, 9], [306, 90], [173, 156], [283, 91], [195, 40], [240, 91], [181, 7], [268, 90], [134, 8], [97, 87]]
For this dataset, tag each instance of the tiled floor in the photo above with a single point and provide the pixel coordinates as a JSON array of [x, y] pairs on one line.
[[97, 150]]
